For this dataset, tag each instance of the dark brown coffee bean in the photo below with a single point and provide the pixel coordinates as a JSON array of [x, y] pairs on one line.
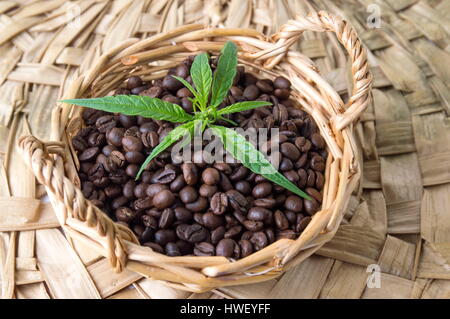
[[204, 249], [207, 190], [237, 200], [167, 218], [125, 214], [288, 234], [219, 203], [79, 144], [292, 176], [182, 71], [114, 136], [105, 123], [264, 86], [225, 183], [226, 247], [243, 187], [291, 216], [89, 154], [96, 139], [262, 190], [188, 194], [251, 92], [107, 149], [117, 159], [281, 221], [318, 163], [258, 213], [118, 176], [128, 189], [270, 234], [154, 92], [311, 179], [140, 190], [154, 189], [318, 141], [212, 221], [265, 203], [149, 221], [282, 83], [111, 191], [211, 176], [185, 247], [183, 215], [259, 240], [142, 203], [164, 176], [134, 82], [172, 250], [320, 181], [163, 199], [303, 177], [164, 236], [239, 174], [200, 205], [177, 184], [290, 151], [171, 84], [294, 203], [119, 202], [253, 225], [127, 121], [155, 247], [282, 93], [233, 232], [286, 165], [246, 235], [147, 235], [154, 213], [311, 206], [190, 173], [134, 157], [191, 233], [314, 193], [217, 234], [246, 248], [150, 139], [302, 224]]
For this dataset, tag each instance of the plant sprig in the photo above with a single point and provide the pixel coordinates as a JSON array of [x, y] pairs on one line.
[[208, 92]]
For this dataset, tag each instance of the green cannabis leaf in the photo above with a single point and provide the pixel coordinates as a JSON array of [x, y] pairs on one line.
[[136, 105], [209, 92], [254, 160]]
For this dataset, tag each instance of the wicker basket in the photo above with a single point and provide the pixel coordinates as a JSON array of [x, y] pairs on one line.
[[55, 164]]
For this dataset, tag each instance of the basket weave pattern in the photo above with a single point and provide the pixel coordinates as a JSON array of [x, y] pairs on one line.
[[55, 165]]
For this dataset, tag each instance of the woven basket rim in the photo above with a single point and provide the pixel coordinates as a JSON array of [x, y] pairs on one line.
[[273, 56]]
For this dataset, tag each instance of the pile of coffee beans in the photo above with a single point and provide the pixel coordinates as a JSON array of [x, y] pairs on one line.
[[195, 208]]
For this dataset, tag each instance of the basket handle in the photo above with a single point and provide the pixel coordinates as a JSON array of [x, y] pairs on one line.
[[361, 76], [38, 156]]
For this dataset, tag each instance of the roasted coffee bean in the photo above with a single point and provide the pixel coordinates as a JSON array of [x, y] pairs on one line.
[[259, 240], [282, 83], [172, 250], [182, 71], [114, 136], [186, 104], [265, 203], [246, 247], [225, 183], [111, 191], [317, 163], [303, 177], [291, 216], [183, 215], [219, 203], [311, 206], [292, 176], [311, 179], [184, 247], [204, 249], [294, 203], [155, 247], [96, 139], [125, 214], [89, 154], [90, 116], [150, 139], [149, 221], [282, 93], [118, 176], [262, 190], [134, 82], [302, 224], [270, 234], [184, 92], [237, 200], [132, 170], [226, 247], [258, 213], [233, 231], [132, 143], [217, 234], [288, 234], [163, 199], [188, 194], [320, 181], [119, 202], [251, 92], [167, 218], [134, 157], [154, 213], [200, 205], [286, 165], [107, 149], [140, 190], [164, 176], [127, 121], [211, 176], [177, 184], [105, 123], [253, 225], [79, 144], [212, 221], [243, 187], [314, 193], [207, 190], [154, 189], [290, 151], [154, 92], [142, 203], [236, 91], [147, 234], [317, 140], [164, 236], [171, 84], [117, 159], [239, 174], [264, 86], [190, 173], [281, 221], [191, 233]]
